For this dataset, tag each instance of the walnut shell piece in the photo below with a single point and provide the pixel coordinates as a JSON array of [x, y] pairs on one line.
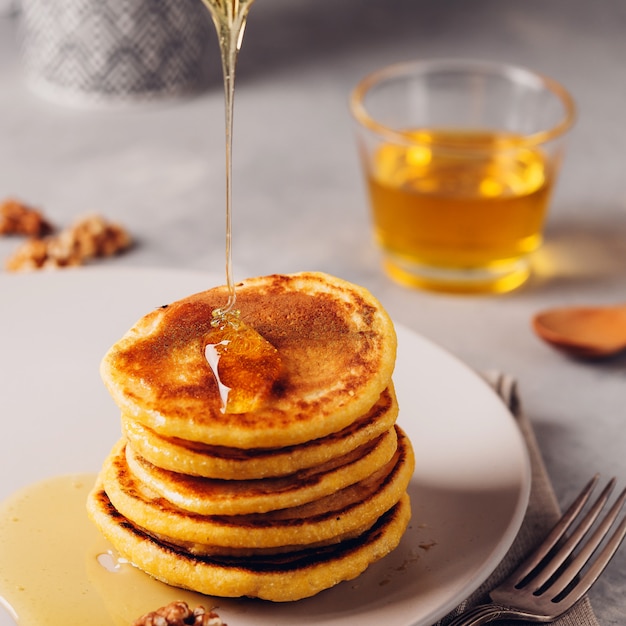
[[179, 614], [89, 238], [17, 218]]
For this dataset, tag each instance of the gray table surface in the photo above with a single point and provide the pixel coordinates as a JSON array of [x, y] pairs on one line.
[[299, 200]]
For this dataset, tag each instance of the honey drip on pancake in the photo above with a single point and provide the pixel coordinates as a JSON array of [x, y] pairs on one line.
[[244, 364], [229, 18]]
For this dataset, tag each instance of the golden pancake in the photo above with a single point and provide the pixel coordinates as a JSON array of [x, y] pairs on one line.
[[281, 578], [209, 496], [198, 459], [336, 345], [260, 454], [333, 517]]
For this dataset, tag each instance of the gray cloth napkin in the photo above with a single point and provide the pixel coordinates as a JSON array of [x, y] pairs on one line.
[[542, 513]]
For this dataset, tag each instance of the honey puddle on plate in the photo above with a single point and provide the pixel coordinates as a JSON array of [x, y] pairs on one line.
[[56, 569]]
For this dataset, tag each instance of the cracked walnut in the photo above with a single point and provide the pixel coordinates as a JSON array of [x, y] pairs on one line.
[[17, 218], [89, 238], [179, 614]]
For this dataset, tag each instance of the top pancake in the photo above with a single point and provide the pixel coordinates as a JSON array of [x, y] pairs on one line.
[[336, 344]]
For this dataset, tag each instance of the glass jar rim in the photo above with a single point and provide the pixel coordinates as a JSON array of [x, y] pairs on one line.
[[518, 73]]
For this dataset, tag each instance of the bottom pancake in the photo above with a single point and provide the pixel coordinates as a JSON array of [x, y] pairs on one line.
[[279, 578]]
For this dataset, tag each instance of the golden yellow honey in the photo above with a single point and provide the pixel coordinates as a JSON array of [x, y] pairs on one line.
[[459, 201], [57, 569]]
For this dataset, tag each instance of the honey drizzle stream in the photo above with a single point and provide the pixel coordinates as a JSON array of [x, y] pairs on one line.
[[229, 18]]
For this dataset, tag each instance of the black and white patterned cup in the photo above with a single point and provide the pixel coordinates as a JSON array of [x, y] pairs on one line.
[[89, 52]]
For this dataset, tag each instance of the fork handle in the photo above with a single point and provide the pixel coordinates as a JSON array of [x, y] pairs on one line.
[[484, 613]]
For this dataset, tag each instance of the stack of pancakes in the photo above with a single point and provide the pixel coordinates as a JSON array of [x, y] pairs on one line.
[[301, 491]]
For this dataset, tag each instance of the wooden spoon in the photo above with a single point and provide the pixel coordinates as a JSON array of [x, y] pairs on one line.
[[586, 332]]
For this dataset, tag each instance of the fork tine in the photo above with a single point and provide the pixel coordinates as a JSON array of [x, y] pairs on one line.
[[568, 546], [601, 562], [527, 567], [573, 569]]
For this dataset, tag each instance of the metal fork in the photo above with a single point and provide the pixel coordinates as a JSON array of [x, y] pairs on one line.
[[549, 583]]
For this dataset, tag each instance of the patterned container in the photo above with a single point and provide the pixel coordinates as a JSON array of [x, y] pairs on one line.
[[117, 51]]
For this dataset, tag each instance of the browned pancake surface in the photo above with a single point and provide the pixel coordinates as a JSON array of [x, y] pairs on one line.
[[336, 345]]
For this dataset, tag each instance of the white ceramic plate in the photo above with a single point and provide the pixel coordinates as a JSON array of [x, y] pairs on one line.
[[469, 491]]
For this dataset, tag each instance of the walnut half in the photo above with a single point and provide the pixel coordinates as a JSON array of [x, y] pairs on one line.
[[17, 218], [89, 238], [179, 614]]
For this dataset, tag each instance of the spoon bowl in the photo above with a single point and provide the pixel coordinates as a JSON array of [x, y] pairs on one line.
[[585, 331]]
